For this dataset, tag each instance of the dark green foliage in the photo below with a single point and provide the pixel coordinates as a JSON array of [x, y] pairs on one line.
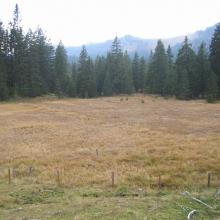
[[142, 73], [212, 88], [138, 72], [86, 85], [118, 79], [3, 81], [29, 67], [215, 54], [107, 87], [182, 83], [206, 76], [72, 81], [187, 74], [91, 83], [100, 73], [158, 70], [170, 82], [3, 70], [61, 70], [36, 86], [127, 86], [41, 74], [114, 66], [28, 61], [16, 55], [187, 78]]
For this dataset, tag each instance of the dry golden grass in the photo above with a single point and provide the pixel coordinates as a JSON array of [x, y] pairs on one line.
[[138, 140]]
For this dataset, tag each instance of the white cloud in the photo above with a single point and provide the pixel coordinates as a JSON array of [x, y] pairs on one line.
[[77, 22]]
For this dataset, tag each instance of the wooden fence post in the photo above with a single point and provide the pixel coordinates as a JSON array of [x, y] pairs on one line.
[[159, 182], [58, 178], [30, 170], [9, 176], [209, 179], [113, 179]]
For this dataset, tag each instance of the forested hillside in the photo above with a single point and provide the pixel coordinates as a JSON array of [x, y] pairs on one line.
[[30, 66]]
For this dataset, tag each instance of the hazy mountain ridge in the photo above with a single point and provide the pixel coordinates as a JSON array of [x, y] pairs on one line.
[[144, 46]]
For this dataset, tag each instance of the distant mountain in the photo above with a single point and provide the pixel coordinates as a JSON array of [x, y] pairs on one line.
[[144, 46]]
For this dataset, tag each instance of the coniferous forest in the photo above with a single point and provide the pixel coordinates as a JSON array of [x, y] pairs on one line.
[[31, 66]]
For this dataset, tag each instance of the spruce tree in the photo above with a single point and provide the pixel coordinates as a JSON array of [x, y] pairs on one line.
[[157, 72], [215, 54], [115, 65], [107, 86], [127, 86], [61, 69], [17, 55], [143, 71], [36, 81], [187, 75], [211, 88], [86, 86], [72, 81], [3, 70], [91, 83], [136, 72], [170, 84], [119, 71], [204, 70], [47, 62], [100, 73]]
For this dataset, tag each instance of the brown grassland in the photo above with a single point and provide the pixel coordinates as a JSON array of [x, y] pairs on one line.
[[139, 138]]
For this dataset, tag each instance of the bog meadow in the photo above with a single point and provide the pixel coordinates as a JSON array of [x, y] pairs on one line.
[[118, 136]]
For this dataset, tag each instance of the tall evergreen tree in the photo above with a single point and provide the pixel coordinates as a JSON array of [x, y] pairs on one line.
[[3, 70], [36, 81], [215, 54], [157, 72], [17, 51], [187, 74], [61, 69], [204, 70], [136, 72], [47, 59], [86, 86], [212, 88], [127, 86], [72, 81], [119, 71], [114, 65], [107, 86], [100, 73], [143, 71], [170, 84]]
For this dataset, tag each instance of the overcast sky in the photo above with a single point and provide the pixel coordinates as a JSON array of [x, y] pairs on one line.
[[77, 22]]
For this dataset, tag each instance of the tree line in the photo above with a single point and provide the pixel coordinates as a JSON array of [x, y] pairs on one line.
[[31, 66]]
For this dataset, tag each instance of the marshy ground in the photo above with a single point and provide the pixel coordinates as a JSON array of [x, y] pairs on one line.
[[139, 138]]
